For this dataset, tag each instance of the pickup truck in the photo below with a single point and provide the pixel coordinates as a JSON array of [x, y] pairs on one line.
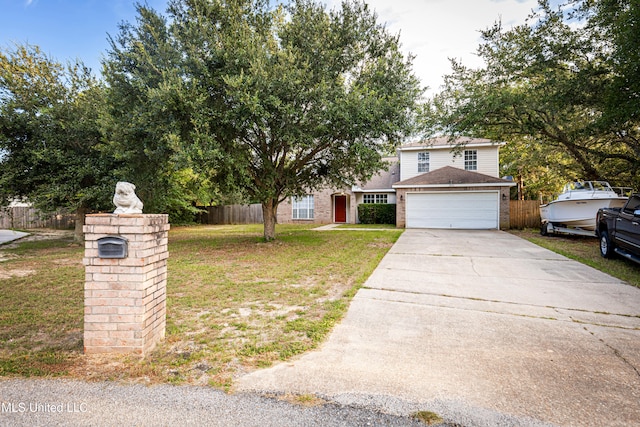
[[619, 230]]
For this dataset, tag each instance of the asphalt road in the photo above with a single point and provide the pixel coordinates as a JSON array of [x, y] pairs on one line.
[[42, 402]]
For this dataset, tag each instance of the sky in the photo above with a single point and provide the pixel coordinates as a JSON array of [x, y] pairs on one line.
[[432, 30]]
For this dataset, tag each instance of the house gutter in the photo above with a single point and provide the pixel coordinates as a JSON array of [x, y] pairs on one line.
[[449, 147], [490, 184], [382, 190]]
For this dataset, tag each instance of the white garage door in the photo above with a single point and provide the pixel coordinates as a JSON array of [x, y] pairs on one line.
[[465, 210]]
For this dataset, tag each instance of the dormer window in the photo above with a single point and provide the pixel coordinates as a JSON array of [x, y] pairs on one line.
[[471, 160], [423, 162]]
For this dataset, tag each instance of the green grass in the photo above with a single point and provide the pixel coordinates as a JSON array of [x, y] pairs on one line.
[[427, 417], [585, 250], [234, 303], [41, 307]]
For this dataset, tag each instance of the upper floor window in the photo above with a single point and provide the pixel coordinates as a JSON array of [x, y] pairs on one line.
[[375, 198], [471, 160], [423, 162], [303, 207]]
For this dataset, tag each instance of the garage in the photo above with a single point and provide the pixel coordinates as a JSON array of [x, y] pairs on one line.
[[453, 209]]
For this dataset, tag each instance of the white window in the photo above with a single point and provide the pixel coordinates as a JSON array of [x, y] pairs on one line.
[[374, 198], [423, 162], [303, 207], [471, 160]]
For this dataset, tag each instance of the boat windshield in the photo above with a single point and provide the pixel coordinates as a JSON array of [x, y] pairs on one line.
[[587, 186], [576, 186], [601, 186]]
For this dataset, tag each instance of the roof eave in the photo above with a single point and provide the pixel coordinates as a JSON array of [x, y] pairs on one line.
[[377, 190], [450, 147], [488, 184]]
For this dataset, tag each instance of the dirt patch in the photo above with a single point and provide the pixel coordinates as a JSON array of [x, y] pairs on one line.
[[6, 274], [68, 261], [7, 257]]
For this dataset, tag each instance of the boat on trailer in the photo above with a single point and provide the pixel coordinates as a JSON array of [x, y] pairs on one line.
[[575, 209]]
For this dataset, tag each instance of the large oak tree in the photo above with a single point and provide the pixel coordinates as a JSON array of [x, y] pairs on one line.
[[144, 120], [49, 133], [548, 88], [288, 99]]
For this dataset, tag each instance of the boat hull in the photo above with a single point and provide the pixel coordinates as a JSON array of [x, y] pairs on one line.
[[577, 213]]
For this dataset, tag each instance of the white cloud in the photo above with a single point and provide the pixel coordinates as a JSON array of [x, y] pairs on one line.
[[435, 30]]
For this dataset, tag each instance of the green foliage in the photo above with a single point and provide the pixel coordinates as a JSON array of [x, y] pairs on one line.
[[427, 417], [144, 118], [377, 213], [289, 99], [546, 90], [49, 136], [227, 97], [617, 21]]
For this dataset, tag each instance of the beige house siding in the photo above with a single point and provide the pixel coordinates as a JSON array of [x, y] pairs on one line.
[[440, 157], [401, 194]]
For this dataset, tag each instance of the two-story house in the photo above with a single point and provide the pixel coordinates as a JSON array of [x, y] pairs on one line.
[[432, 185], [444, 187]]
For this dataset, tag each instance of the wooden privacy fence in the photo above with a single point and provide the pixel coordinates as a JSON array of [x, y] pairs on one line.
[[232, 214], [524, 214], [29, 217]]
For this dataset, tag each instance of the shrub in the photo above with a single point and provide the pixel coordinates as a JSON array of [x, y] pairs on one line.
[[377, 213]]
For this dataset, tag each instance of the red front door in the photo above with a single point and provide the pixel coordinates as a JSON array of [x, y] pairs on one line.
[[340, 208]]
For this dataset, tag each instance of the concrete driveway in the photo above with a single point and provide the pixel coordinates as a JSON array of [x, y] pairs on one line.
[[7, 236], [483, 328]]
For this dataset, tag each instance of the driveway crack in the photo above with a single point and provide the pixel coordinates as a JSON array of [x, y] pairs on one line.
[[616, 352], [566, 317]]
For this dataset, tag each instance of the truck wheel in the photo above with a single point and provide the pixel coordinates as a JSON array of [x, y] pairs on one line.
[[606, 245]]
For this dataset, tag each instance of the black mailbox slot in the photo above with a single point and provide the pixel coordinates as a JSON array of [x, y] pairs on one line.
[[112, 247]]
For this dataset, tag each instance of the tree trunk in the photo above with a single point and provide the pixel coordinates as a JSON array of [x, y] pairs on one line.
[[78, 235], [269, 213]]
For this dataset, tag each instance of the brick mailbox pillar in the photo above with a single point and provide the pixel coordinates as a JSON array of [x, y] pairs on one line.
[[125, 286]]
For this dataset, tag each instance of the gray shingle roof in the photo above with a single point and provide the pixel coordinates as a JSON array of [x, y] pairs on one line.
[[383, 180]]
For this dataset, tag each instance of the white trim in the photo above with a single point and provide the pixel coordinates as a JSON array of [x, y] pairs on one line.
[[309, 207], [453, 191], [384, 190], [428, 147], [492, 184]]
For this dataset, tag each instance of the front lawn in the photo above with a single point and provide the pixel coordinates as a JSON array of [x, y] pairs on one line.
[[234, 302], [369, 226]]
